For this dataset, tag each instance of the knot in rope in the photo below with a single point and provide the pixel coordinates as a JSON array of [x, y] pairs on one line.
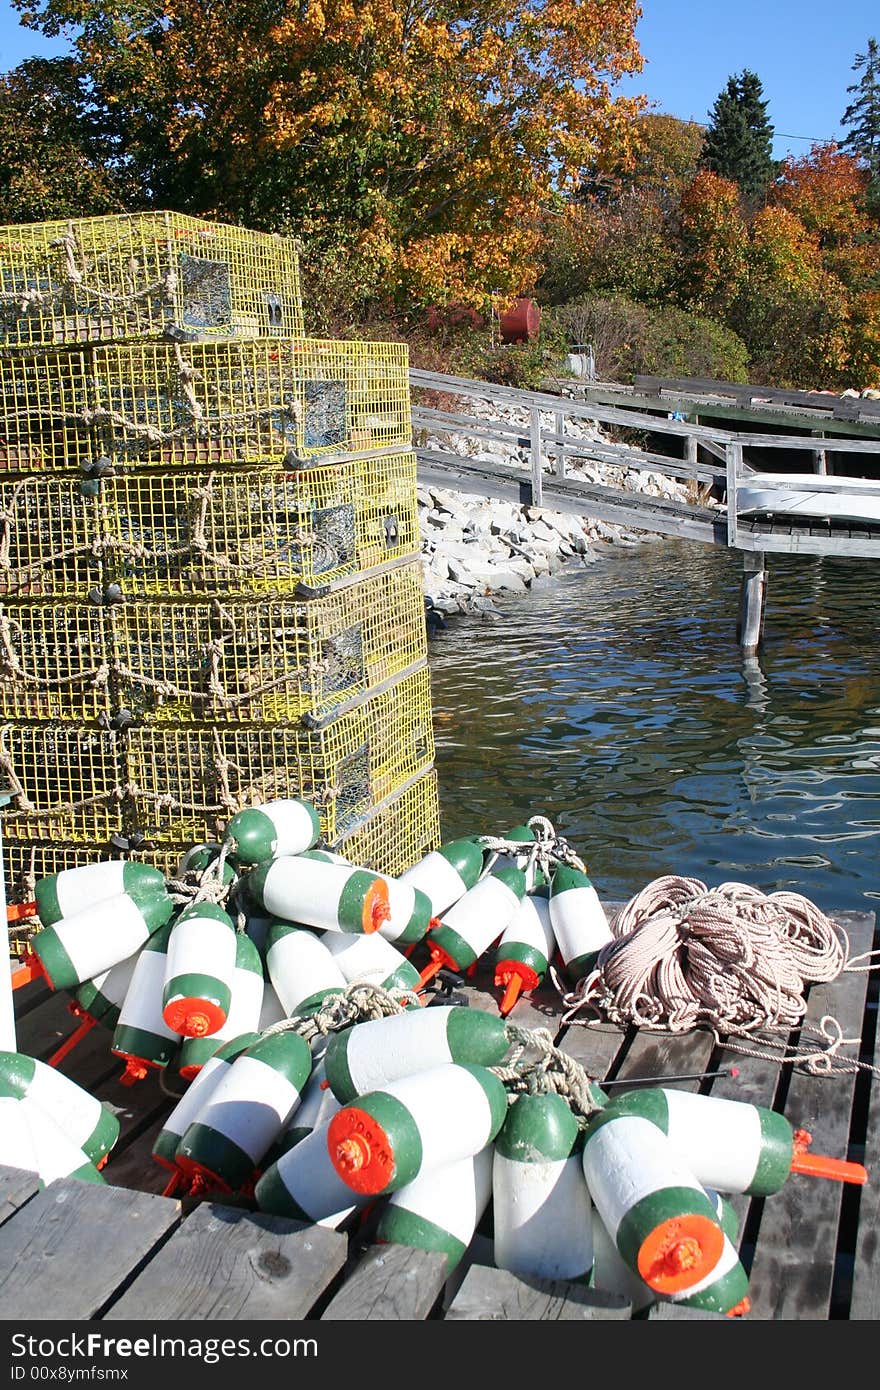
[[357, 1003], [548, 1071]]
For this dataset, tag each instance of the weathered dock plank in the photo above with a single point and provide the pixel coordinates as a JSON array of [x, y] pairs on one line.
[[488, 1294], [17, 1186], [223, 1262], [71, 1248], [391, 1283]]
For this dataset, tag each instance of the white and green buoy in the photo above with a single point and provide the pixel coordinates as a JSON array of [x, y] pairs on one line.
[[372, 960], [444, 875], [91, 1126], [524, 952], [312, 892], [440, 1209], [75, 890], [228, 1137], [542, 1212], [101, 998], [469, 927], [199, 970], [301, 968], [244, 1009], [580, 925], [660, 1217], [303, 1184], [196, 1096], [141, 1034], [109, 930], [32, 1140], [383, 1139], [288, 825], [371, 1054]]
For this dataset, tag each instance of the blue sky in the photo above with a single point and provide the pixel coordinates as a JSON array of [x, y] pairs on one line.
[[802, 50]]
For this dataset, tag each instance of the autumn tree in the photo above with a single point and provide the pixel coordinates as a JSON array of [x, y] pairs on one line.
[[739, 139], [861, 119], [714, 239], [56, 159], [412, 145]]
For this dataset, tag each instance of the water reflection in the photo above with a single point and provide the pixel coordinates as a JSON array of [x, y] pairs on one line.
[[619, 704]]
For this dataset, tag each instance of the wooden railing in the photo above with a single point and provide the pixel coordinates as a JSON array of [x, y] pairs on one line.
[[709, 455]]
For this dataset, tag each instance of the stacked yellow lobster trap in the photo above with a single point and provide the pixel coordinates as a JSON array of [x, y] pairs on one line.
[[210, 584]]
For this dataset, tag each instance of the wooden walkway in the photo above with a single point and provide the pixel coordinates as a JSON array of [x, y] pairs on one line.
[[80, 1251], [716, 462]]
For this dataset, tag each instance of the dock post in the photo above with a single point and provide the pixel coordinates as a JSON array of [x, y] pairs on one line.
[[535, 442], [751, 600], [820, 458]]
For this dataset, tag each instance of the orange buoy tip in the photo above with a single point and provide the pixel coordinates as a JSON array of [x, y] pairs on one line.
[[135, 1070], [679, 1252], [801, 1139], [821, 1166], [513, 985], [352, 1153]]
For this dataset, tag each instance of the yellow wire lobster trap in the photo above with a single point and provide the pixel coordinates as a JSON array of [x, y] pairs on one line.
[[56, 662], [164, 534], [185, 785], [267, 400], [270, 660], [267, 661], [145, 275], [68, 782], [401, 831]]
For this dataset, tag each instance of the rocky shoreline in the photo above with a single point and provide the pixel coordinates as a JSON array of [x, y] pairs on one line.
[[479, 552]]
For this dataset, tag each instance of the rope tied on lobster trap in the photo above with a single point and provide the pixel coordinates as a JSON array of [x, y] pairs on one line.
[[731, 959]]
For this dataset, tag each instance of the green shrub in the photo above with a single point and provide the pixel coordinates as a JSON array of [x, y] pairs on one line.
[[629, 338]]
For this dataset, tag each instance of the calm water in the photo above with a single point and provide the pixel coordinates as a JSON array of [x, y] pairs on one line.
[[618, 704]]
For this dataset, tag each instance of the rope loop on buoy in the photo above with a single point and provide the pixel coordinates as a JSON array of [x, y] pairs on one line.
[[731, 959], [357, 1003], [549, 1070], [205, 885], [546, 851]]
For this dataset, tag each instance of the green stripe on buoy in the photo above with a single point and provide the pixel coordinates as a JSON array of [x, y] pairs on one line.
[[651, 1211], [350, 912], [397, 1226], [777, 1151], [538, 1129], [208, 1149], [150, 1048], [475, 1036]]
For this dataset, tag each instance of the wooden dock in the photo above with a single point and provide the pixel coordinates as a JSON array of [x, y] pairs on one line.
[[78, 1251]]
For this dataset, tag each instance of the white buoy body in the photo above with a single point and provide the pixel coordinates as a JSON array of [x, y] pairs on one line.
[[469, 927], [301, 968], [81, 946], [310, 891], [371, 960], [444, 875], [141, 1034], [31, 1136], [580, 925], [199, 971], [304, 1184], [244, 1115], [89, 1125], [196, 1097], [659, 1216], [543, 1216], [440, 1209]]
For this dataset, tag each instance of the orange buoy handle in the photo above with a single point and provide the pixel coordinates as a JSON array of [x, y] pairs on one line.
[[20, 912], [820, 1166]]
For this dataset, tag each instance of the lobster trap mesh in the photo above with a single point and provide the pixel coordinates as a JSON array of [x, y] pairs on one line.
[[266, 400], [162, 534], [399, 833], [145, 275], [185, 785], [67, 781]]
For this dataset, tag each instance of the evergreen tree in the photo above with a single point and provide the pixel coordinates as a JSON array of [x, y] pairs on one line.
[[739, 139], [861, 119]]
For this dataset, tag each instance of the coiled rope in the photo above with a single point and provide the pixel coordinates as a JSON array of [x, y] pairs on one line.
[[731, 959]]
